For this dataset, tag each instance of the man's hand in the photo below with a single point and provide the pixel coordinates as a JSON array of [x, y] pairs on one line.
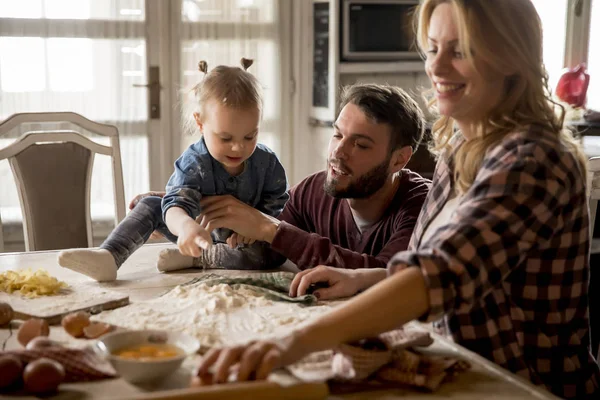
[[137, 198], [342, 282], [193, 238], [228, 212], [236, 239], [155, 235]]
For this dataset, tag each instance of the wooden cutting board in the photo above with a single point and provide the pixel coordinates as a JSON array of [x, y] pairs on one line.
[[263, 390], [82, 297]]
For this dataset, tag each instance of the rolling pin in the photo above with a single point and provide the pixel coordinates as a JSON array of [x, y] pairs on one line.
[[263, 390]]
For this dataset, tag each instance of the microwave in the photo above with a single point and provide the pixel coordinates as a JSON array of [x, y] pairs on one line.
[[378, 30]]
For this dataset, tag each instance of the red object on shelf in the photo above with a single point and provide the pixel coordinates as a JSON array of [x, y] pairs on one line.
[[572, 86]]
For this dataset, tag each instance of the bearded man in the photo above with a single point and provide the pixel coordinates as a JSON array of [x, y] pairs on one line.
[[357, 213]]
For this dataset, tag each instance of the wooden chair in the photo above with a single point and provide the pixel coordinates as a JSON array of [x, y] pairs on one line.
[[53, 173]]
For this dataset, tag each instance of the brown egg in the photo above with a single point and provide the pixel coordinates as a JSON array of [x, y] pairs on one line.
[[32, 328], [74, 323], [43, 375], [6, 313], [96, 329], [11, 368], [41, 342]]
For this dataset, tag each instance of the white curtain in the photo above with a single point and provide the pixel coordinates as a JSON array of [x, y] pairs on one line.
[[224, 31]]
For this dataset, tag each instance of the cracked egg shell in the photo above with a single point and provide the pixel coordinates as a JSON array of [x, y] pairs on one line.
[[96, 329], [75, 323], [32, 328]]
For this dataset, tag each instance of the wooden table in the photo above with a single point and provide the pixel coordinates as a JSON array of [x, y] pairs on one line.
[[138, 278]]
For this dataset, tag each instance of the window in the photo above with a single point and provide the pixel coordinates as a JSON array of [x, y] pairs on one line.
[[237, 11], [82, 56], [554, 24], [73, 9], [86, 55], [593, 93]]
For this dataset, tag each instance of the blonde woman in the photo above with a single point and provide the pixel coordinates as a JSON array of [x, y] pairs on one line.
[[501, 248]]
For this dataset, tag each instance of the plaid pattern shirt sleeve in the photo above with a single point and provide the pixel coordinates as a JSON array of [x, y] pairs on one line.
[[509, 271]]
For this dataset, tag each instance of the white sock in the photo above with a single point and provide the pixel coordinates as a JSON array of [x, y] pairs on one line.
[[98, 264], [173, 260]]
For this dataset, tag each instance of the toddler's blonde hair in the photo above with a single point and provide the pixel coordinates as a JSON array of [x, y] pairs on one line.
[[233, 87]]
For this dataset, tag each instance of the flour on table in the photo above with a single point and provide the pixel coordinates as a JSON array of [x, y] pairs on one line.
[[216, 314]]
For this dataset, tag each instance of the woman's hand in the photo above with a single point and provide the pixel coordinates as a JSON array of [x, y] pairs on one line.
[[341, 282], [253, 361]]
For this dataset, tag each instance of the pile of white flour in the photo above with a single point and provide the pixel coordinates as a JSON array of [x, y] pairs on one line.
[[215, 314]]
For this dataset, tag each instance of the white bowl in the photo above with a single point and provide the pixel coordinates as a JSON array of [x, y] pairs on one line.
[[137, 371]]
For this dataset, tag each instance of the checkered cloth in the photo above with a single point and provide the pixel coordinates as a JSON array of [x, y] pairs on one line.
[[379, 362], [273, 285], [80, 364]]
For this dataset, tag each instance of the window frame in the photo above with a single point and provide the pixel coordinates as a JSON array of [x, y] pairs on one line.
[[579, 15]]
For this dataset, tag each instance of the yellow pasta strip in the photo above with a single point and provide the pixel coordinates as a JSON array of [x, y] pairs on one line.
[[30, 283]]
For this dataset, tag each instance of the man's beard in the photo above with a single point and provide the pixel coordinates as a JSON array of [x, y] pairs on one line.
[[362, 187]]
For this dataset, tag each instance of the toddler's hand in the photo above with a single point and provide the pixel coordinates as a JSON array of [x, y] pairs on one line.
[[192, 239], [236, 239]]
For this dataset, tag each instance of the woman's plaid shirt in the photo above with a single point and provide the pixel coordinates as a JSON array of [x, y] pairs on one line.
[[509, 272]]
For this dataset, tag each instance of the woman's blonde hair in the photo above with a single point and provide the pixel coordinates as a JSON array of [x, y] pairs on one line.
[[507, 36], [233, 87]]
